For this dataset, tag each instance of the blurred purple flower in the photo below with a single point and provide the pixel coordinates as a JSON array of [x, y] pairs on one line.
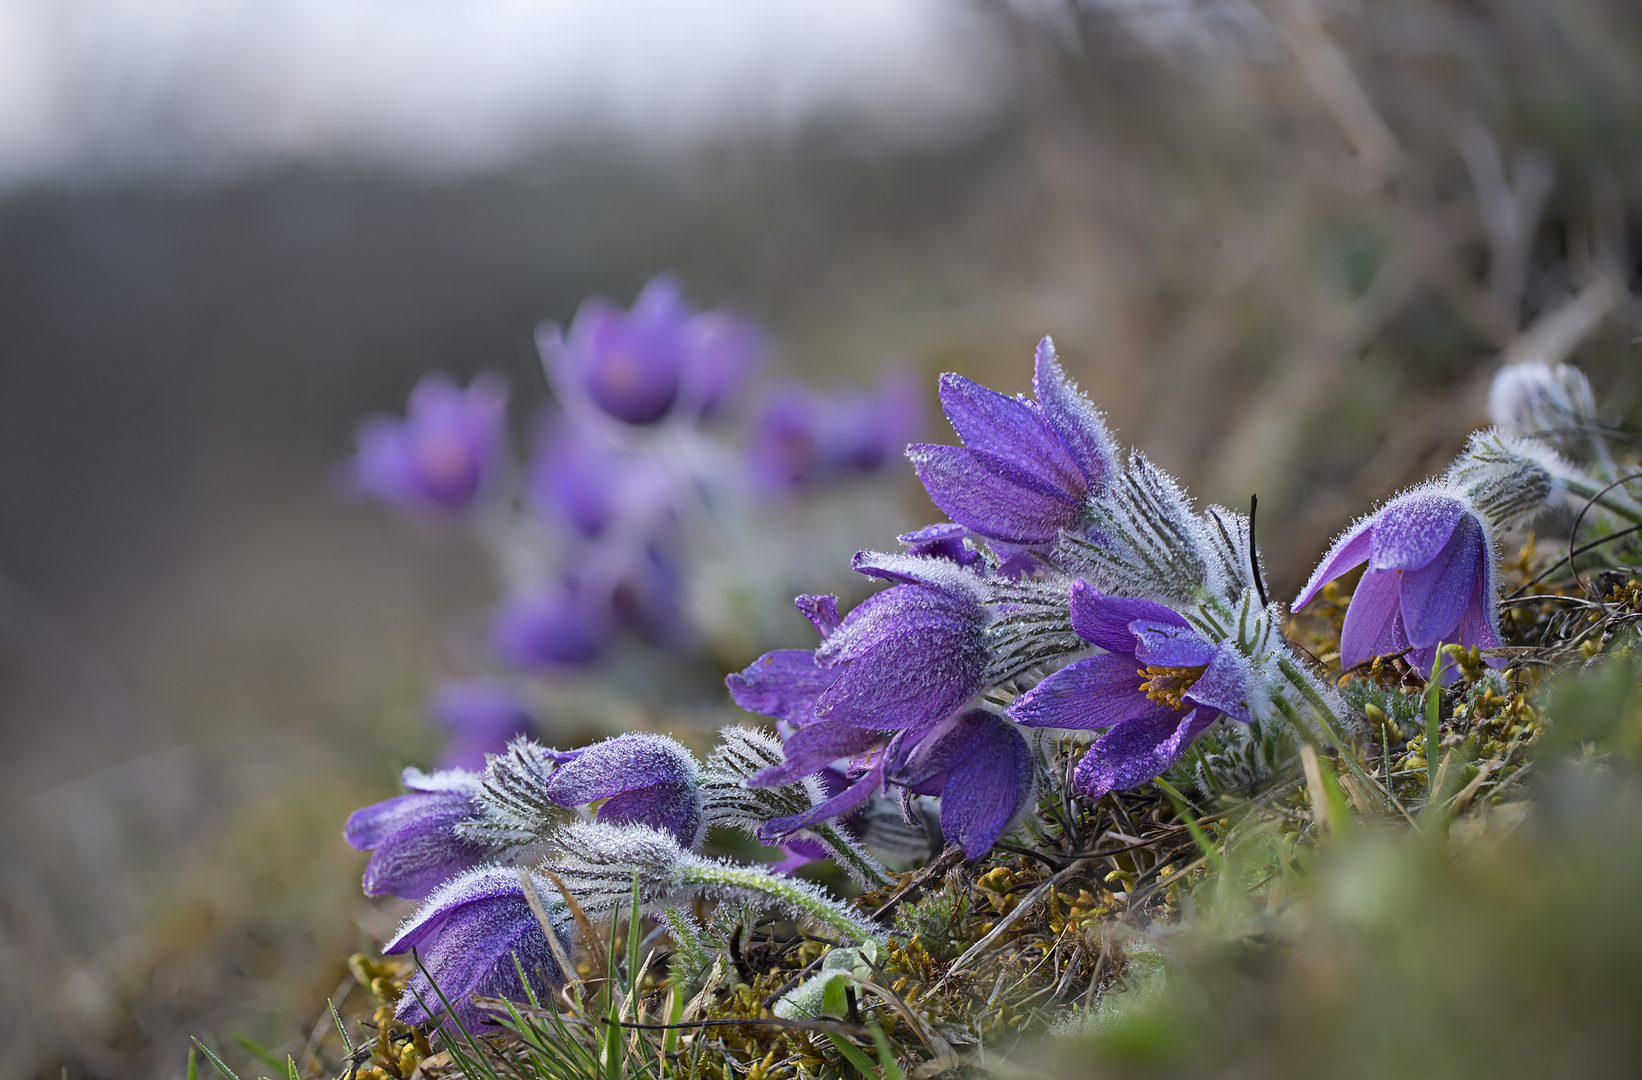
[[1027, 469], [551, 627], [482, 717], [1429, 582], [412, 838], [578, 478], [643, 780], [656, 359], [1158, 686], [443, 453], [802, 437], [467, 937]]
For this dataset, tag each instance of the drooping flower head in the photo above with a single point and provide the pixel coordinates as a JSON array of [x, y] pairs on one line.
[[413, 838], [481, 715], [655, 360], [802, 437], [643, 779], [1541, 401], [468, 935], [1158, 685], [444, 452], [1430, 580], [1027, 469]]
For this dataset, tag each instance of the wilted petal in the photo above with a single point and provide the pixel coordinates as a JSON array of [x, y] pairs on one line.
[[992, 495], [1373, 620], [1412, 529], [783, 684], [987, 787], [1104, 620], [1093, 693], [1435, 595], [1348, 552], [821, 611]]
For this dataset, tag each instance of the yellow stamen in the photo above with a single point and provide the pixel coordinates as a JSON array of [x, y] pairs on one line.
[[1166, 685]]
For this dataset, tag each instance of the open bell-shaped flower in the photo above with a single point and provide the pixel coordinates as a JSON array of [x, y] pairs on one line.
[[413, 838], [1430, 580], [444, 452], [1158, 685], [473, 936]]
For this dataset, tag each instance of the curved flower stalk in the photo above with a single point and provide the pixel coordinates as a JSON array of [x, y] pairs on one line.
[[1430, 580], [473, 936], [598, 864], [416, 840]]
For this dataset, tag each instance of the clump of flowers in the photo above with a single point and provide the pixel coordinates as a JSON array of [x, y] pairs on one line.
[[1070, 672]]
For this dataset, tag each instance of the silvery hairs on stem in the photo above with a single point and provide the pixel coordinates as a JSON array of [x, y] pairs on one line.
[[1510, 478], [743, 752], [599, 864]]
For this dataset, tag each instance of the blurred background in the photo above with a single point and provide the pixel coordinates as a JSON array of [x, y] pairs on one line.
[[1284, 243]]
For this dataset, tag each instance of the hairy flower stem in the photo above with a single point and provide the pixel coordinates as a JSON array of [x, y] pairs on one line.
[[686, 935], [799, 896], [850, 858], [1607, 499]]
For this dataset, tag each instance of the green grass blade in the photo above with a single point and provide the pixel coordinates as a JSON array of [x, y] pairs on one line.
[[340, 1030], [193, 1066], [887, 1064], [290, 1068], [1433, 713], [853, 1053], [216, 1061], [258, 1052]]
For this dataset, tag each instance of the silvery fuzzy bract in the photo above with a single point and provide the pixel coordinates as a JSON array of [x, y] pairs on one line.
[[472, 936], [414, 839], [1543, 401], [1508, 479], [1430, 580], [1027, 469]]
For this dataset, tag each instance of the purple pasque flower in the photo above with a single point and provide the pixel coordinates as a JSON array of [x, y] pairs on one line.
[[443, 453], [904, 659], [552, 626], [482, 717], [1027, 469], [1429, 582], [1157, 686], [802, 437], [656, 359], [467, 937], [412, 838], [643, 780]]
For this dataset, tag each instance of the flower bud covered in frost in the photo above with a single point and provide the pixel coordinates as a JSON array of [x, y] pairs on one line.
[[643, 779], [413, 838], [468, 935]]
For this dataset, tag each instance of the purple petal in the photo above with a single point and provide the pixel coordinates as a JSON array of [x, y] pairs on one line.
[[624, 763], [870, 783], [1348, 552], [811, 749], [1436, 595], [1163, 644], [1074, 420], [370, 825], [1082, 696], [1137, 751], [914, 678], [1010, 429], [1374, 619], [782, 684], [669, 806], [987, 788], [1104, 620], [1411, 530], [631, 363], [821, 611], [993, 496], [415, 841], [1224, 687]]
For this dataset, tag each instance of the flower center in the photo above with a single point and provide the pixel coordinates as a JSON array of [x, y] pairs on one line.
[[1167, 685]]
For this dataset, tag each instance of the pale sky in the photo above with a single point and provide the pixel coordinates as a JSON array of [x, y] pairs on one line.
[[197, 88]]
